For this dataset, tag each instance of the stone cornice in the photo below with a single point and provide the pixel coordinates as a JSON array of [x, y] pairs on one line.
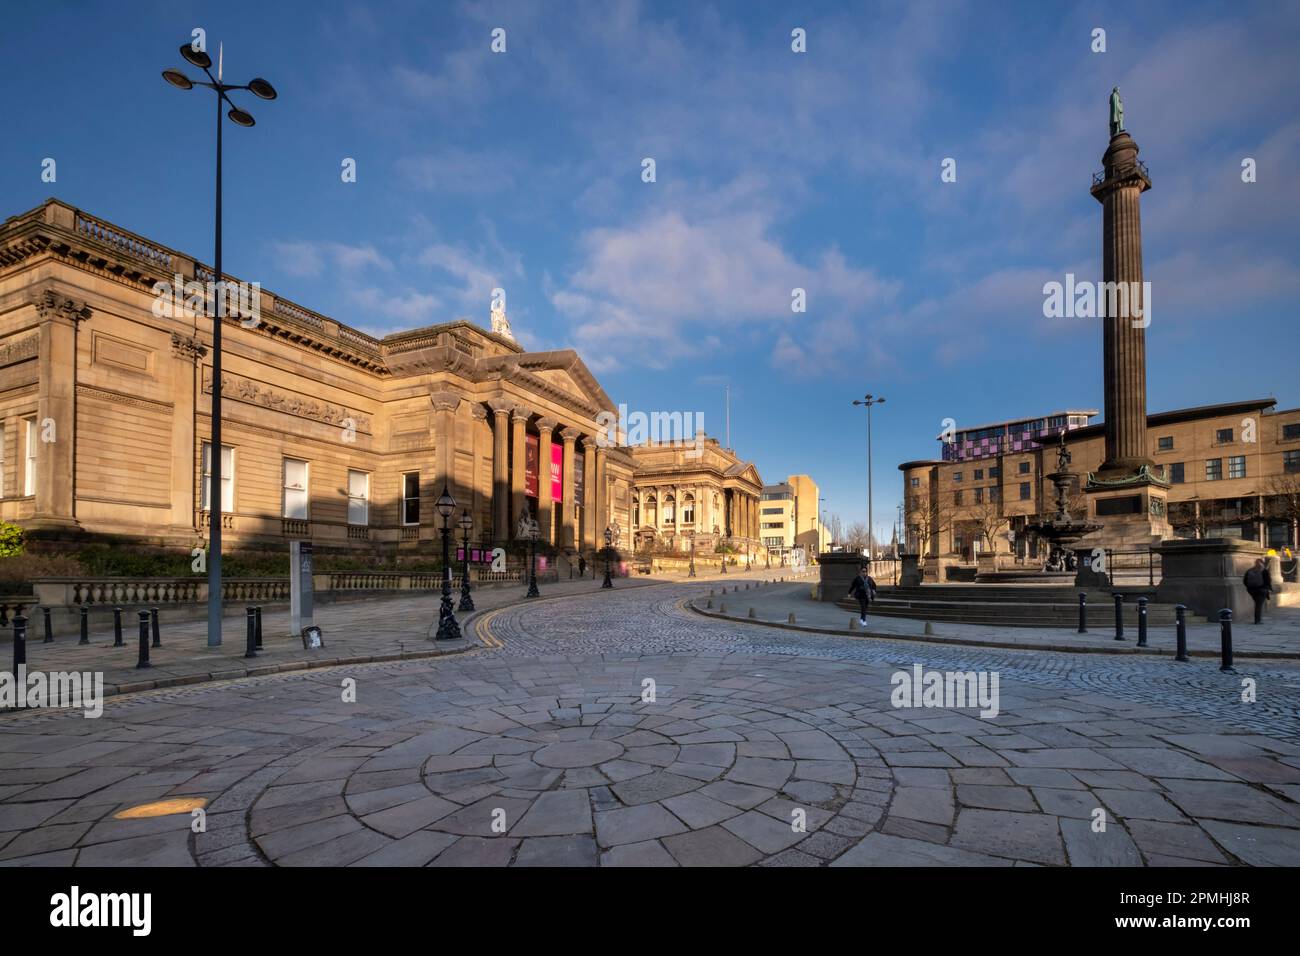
[[119, 398]]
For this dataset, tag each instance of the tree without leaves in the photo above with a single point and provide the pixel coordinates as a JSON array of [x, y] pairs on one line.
[[927, 520]]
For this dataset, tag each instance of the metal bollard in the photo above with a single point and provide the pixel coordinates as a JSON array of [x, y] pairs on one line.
[[1225, 639], [153, 614], [1180, 617], [143, 660], [85, 625], [1083, 612], [1142, 622], [49, 628], [250, 647], [117, 628], [258, 619], [20, 643], [1119, 617]]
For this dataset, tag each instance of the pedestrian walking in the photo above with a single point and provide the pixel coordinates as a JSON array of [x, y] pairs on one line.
[[1259, 586], [863, 587], [582, 566]]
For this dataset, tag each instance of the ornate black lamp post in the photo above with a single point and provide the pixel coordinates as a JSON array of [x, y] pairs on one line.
[[260, 88], [529, 531], [466, 602], [448, 628], [691, 573]]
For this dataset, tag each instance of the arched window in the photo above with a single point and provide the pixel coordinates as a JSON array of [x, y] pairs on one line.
[[688, 510]]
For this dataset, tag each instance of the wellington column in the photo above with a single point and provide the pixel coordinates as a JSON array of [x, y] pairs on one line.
[[1119, 188], [1127, 494]]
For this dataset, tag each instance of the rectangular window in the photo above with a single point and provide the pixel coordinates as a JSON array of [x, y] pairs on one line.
[[1213, 469], [995, 493], [916, 482], [411, 498], [1024, 467], [1026, 491], [1176, 472], [296, 489], [979, 496], [29, 462], [227, 479], [995, 472], [979, 474], [1166, 443], [1237, 466], [956, 476], [956, 497], [1291, 460], [1291, 432], [1223, 436], [358, 498]]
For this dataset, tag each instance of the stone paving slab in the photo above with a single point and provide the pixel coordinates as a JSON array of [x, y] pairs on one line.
[[760, 747]]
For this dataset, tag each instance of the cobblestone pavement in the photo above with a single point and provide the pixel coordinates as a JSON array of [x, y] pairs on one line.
[[758, 747]]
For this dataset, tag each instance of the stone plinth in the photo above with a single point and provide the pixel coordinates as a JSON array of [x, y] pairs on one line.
[[1205, 574], [912, 573], [838, 569]]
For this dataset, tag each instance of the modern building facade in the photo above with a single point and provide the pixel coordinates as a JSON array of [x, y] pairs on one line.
[[330, 435], [791, 517], [695, 493], [1233, 470]]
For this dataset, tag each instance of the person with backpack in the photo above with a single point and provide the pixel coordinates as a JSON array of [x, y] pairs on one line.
[[863, 587], [1259, 586]]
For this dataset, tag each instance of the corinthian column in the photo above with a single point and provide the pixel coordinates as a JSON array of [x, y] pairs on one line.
[[568, 508], [500, 469], [518, 489], [588, 493], [544, 504]]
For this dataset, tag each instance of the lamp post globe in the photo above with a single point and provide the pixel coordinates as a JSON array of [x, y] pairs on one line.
[[466, 602], [448, 627]]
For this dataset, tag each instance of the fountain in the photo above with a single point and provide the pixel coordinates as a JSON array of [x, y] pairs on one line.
[[1061, 530]]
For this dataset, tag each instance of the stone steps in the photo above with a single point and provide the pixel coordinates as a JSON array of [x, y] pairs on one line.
[[1023, 606]]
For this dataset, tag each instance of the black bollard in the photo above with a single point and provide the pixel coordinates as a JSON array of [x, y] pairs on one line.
[[1142, 622], [1083, 613], [49, 628], [20, 643], [257, 618], [1225, 639], [250, 646], [153, 615], [85, 625], [1180, 617], [117, 628], [1119, 617], [143, 660]]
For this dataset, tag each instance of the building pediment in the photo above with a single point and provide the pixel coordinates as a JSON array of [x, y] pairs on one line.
[[559, 375]]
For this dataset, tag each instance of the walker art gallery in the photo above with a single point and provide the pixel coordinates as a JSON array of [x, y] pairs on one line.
[[331, 435]]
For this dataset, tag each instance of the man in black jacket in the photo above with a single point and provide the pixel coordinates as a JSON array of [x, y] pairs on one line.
[[863, 587], [1259, 585]]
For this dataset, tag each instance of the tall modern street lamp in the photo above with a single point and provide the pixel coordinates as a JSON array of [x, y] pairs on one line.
[[260, 88], [448, 628], [466, 602], [868, 400]]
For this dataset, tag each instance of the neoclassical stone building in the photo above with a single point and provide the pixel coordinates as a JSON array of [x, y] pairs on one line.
[[330, 434], [700, 492]]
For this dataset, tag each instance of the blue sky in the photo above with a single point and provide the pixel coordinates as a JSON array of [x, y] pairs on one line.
[[775, 170]]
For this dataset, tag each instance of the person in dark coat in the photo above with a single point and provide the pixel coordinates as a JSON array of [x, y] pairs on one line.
[[863, 587], [582, 566], [1259, 586]]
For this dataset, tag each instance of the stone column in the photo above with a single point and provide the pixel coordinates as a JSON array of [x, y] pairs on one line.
[[185, 499], [56, 425], [445, 405], [589, 495], [568, 508], [1124, 345], [545, 426], [600, 497], [518, 489], [482, 447], [501, 504]]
